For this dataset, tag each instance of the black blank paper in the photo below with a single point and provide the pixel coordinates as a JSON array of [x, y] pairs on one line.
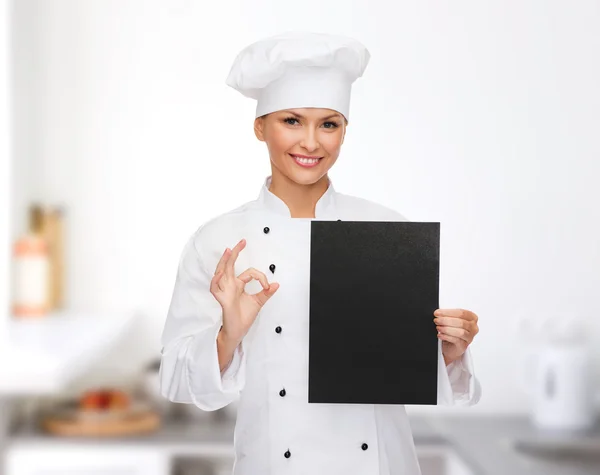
[[373, 289]]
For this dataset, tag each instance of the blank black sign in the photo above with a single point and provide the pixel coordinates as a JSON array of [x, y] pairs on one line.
[[373, 289]]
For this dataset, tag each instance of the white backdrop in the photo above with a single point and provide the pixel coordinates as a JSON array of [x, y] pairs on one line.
[[5, 165], [480, 115]]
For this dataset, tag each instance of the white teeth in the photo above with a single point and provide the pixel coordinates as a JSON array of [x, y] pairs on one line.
[[307, 161]]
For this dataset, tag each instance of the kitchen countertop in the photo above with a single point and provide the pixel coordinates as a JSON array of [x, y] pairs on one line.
[[43, 355], [484, 442]]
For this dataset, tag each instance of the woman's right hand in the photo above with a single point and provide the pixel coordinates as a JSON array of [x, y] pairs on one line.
[[239, 308]]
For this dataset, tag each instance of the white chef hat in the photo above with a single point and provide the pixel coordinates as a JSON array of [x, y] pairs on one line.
[[299, 69]]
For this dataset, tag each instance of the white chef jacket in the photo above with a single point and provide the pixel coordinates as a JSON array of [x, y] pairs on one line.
[[278, 432]]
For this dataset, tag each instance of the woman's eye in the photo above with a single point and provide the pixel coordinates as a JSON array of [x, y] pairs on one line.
[[328, 125]]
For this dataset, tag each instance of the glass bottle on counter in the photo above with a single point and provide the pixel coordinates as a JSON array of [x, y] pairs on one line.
[[31, 284]]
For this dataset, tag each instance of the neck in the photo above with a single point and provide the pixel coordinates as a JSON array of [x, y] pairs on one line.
[[300, 199]]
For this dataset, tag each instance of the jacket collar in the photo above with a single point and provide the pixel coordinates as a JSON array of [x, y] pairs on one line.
[[273, 203]]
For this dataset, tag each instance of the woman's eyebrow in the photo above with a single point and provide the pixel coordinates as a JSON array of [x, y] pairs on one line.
[[322, 118]]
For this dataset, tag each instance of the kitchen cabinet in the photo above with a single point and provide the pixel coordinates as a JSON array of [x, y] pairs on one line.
[[86, 460], [177, 444], [181, 446], [441, 459]]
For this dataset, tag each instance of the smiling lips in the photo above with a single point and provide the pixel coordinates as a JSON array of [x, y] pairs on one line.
[[305, 160]]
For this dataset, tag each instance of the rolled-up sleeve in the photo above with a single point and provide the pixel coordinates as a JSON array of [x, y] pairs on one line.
[[190, 371], [457, 383]]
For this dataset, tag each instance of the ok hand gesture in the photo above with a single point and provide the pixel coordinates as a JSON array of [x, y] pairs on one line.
[[239, 308]]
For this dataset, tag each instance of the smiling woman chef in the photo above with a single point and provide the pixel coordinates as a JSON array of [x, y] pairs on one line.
[[232, 330]]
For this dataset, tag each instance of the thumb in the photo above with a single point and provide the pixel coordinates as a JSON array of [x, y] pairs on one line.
[[266, 294]]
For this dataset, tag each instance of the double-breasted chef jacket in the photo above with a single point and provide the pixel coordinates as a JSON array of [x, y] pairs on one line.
[[277, 431]]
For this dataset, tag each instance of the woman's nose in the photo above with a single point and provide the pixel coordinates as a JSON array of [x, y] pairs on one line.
[[310, 141]]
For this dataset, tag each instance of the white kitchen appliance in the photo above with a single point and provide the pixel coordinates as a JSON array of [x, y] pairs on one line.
[[561, 387], [558, 376]]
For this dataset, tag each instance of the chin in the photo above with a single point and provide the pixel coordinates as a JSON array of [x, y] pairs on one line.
[[309, 176], [306, 177]]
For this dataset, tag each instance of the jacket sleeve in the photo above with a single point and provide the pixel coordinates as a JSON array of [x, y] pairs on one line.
[[457, 384], [189, 370]]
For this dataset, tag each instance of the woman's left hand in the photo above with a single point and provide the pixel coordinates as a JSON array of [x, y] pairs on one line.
[[456, 328]]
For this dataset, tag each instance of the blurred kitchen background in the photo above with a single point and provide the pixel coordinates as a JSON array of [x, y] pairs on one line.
[[119, 138]]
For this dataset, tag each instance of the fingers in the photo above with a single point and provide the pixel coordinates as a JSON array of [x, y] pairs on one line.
[[235, 252], [223, 261], [452, 339], [468, 325], [253, 273], [456, 313], [455, 333], [452, 322], [265, 294], [214, 283], [219, 271]]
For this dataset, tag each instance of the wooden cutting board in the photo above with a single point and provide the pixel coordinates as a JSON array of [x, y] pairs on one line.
[[125, 425]]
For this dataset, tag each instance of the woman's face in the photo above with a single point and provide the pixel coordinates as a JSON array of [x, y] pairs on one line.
[[303, 143]]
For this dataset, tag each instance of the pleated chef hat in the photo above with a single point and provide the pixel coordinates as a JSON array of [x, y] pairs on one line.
[[299, 69]]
